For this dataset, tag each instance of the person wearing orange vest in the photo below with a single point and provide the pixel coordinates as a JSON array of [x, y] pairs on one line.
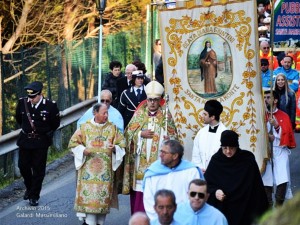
[[297, 121], [265, 53], [296, 59]]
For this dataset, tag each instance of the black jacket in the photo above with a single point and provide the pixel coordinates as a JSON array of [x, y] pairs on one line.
[[45, 119], [122, 85], [129, 103], [110, 83]]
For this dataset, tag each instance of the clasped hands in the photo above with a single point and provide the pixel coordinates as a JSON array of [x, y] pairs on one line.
[[150, 133], [110, 146]]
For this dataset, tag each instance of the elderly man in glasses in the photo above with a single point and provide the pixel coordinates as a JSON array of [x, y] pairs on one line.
[[265, 53], [170, 172], [144, 134], [234, 182], [124, 83], [114, 115], [196, 210]]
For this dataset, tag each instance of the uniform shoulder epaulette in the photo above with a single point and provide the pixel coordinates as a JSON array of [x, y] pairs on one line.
[[50, 100], [22, 98]]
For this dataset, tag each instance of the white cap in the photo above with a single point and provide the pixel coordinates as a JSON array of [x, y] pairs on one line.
[[263, 39], [267, 20], [154, 89], [262, 29], [138, 73]]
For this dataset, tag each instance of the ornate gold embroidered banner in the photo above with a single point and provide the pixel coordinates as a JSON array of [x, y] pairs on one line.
[[210, 53]]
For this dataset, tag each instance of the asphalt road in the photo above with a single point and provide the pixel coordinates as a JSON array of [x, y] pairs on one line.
[[56, 203]]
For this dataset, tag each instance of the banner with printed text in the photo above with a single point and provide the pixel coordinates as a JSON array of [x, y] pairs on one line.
[[211, 53], [287, 25]]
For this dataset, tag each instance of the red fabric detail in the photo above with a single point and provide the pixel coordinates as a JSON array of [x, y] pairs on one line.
[[287, 135]]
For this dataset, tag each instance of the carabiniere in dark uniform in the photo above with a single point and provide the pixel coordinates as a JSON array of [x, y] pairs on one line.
[[38, 118]]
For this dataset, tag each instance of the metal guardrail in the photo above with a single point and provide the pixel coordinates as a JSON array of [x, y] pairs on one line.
[[68, 116]]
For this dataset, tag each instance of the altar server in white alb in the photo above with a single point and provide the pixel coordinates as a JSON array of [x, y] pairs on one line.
[[171, 172], [207, 140]]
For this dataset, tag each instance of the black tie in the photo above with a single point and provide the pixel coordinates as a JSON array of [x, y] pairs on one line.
[[138, 94]]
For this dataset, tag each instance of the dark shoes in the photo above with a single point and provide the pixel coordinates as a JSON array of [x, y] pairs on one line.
[[33, 202], [26, 195]]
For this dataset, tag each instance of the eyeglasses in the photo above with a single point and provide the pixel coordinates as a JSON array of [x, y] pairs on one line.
[[105, 101], [153, 99], [165, 153], [266, 47], [264, 64], [200, 195]]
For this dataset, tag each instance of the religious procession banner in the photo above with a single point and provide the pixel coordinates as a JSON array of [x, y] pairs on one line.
[[211, 52], [287, 25]]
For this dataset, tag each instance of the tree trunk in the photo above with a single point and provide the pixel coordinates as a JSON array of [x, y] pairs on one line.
[[21, 25]]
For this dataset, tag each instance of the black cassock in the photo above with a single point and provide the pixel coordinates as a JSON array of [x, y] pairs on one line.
[[240, 180]]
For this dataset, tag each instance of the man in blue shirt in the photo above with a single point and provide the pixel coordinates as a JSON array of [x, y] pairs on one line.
[[196, 210], [165, 207], [265, 73], [292, 75], [114, 115]]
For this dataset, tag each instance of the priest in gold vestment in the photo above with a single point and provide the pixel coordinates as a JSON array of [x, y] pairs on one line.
[[98, 148]]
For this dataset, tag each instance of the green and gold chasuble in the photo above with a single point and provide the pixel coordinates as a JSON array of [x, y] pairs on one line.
[[141, 121], [94, 192]]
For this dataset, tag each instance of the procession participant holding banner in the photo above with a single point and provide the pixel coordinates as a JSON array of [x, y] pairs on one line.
[[144, 135], [282, 138]]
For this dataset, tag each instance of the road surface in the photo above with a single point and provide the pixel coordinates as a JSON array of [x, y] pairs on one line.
[[56, 203]]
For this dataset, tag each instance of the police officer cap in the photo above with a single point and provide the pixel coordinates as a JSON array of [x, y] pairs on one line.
[[138, 73], [229, 138], [213, 107], [34, 88]]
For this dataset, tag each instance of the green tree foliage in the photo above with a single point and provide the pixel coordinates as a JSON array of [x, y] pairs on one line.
[[64, 24], [288, 214]]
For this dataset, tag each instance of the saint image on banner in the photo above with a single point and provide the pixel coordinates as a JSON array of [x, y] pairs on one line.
[[208, 68], [210, 72]]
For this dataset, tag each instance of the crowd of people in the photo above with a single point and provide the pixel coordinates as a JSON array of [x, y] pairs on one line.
[[279, 70], [128, 144]]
